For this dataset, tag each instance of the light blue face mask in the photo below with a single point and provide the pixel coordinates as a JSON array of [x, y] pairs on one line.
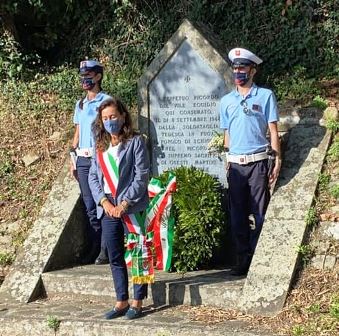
[[113, 126]]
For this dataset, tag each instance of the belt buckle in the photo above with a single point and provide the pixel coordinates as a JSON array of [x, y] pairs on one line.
[[243, 159], [86, 153]]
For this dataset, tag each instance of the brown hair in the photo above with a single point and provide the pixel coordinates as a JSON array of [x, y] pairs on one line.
[[101, 137]]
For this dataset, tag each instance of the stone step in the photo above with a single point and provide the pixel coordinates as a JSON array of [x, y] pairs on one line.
[[212, 287], [85, 318]]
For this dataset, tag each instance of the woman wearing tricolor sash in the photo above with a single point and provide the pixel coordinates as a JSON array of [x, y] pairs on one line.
[[118, 179]]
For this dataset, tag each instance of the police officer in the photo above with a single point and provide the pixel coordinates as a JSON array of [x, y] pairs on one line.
[[246, 113], [91, 73]]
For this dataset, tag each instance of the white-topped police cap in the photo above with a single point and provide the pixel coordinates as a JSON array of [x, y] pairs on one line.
[[241, 56], [90, 65]]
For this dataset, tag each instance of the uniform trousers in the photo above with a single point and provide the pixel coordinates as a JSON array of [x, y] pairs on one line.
[[83, 165], [113, 230], [248, 194]]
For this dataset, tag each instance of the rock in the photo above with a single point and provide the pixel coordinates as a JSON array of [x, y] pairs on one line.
[[331, 113], [5, 240], [330, 261], [318, 261], [335, 209], [322, 261], [13, 227], [56, 136], [6, 244], [287, 122], [30, 159], [321, 247], [4, 270], [333, 230]]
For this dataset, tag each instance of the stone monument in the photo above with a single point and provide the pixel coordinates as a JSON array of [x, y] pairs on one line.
[[179, 97]]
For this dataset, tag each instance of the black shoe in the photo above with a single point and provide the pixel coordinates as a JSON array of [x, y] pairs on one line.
[[238, 271], [244, 262], [102, 258]]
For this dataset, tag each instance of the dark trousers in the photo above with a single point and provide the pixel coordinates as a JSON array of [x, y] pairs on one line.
[[113, 233], [83, 165], [248, 194]]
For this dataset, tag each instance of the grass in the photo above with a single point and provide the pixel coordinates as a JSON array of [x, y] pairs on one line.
[[53, 323], [334, 306], [6, 259], [305, 252], [311, 217]]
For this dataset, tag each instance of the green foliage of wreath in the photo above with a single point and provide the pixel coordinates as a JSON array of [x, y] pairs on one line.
[[199, 218]]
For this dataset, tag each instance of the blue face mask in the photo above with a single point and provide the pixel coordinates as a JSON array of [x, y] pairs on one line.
[[241, 78], [87, 83], [113, 126]]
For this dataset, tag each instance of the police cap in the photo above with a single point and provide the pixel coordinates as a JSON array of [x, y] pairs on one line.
[[90, 65], [241, 56]]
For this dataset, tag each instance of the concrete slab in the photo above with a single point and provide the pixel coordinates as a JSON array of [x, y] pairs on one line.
[[298, 178], [79, 318], [212, 287], [276, 256], [60, 216]]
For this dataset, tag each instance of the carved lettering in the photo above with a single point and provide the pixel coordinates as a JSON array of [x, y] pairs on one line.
[[185, 111], [205, 97], [166, 127]]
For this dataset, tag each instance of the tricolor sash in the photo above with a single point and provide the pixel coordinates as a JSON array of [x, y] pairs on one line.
[[153, 226], [161, 220]]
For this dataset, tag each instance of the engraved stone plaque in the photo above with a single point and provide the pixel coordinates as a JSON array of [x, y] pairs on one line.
[[180, 113]]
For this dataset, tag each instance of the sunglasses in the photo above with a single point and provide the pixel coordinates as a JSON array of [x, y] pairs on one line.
[[241, 67], [245, 107]]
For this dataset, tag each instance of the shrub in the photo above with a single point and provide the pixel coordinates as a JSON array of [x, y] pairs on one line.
[[332, 125], [11, 59], [295, 85], [333, 152], [198, 218], [319, 102]]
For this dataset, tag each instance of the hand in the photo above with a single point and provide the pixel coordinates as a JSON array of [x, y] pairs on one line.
[[119, 210], [275, 172], [108, 208], [73, 171]]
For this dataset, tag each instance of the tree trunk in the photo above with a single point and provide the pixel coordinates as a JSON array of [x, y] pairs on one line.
[[8, 25]]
